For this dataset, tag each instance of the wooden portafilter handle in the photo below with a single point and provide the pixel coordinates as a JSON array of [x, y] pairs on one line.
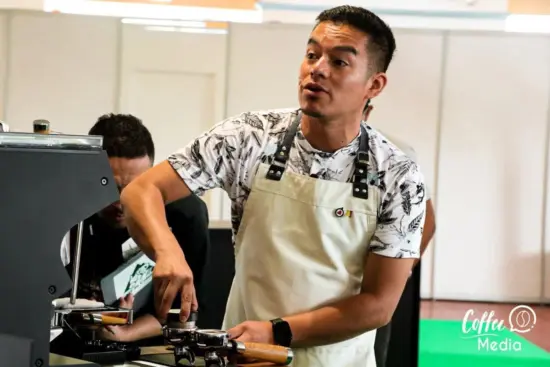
[[265, 352], [111, 320]]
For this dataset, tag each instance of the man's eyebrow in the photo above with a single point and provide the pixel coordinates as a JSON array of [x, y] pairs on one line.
[[343, 48]]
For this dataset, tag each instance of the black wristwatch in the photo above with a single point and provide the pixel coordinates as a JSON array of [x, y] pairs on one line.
[[282, 335]]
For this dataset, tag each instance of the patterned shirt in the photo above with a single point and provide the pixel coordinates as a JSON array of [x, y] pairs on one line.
[[408, 150], [228, 155]]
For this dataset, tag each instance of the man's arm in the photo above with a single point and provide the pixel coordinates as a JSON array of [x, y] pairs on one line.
[[144, 327], [206, 163], [144, 202], [394, 248], [429, 229]]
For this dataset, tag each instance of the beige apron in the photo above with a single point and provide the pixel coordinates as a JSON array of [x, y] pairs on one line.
[[302, 244]]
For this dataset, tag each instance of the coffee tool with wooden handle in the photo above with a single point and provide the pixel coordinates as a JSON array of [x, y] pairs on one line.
[[188, 341]]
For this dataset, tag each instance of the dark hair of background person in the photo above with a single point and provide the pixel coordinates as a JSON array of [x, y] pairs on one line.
[[124, 136], [381, 44]]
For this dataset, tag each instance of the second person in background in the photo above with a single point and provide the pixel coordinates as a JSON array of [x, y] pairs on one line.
[[131, 151]]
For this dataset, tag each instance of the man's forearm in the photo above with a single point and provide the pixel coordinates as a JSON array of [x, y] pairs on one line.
[[144, 327], [146, 219], [338, 322]]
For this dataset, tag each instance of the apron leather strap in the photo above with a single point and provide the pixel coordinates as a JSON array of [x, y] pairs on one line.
[[360, 173], [359, 178], [277, 168]]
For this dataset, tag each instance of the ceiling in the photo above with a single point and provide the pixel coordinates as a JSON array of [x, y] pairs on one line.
[[446, 14]]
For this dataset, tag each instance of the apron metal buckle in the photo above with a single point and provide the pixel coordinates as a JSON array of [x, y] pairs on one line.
[[276, 170], [360, 189]]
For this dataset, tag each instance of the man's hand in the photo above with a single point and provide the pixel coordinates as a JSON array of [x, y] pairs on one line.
[[126, 302], [253, 331], [171, 276]]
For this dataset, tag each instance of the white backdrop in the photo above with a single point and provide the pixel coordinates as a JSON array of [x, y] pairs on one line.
[[473, 105]]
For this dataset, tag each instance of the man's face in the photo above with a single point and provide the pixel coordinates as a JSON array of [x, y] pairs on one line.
[[124, 171], [334, 76]]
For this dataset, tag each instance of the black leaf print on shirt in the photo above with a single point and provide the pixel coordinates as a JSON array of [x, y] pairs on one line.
[[229, 152], [218, 147], [254, 121], [256, 139], [246, 140], [386, 218], [381, 183], [415, 223], [406, 195], [377, 247], [402, 168], [247, 154], [242, 135], [378, 244], [420, 194], [218, 166], [275, 121], [196, 155], [196, 174]]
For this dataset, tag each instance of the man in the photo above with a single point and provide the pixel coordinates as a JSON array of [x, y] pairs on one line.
[[131, 152], [327, 218], [383, 334]]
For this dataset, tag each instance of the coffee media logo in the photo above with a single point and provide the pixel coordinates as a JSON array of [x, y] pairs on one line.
[[489, 330]]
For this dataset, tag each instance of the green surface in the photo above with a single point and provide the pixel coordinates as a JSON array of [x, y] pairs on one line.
[[443, 344]]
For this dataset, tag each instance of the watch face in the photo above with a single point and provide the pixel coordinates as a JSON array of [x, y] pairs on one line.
[[282, 335]]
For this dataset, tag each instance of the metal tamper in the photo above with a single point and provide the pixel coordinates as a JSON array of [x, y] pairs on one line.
[[173, 320]]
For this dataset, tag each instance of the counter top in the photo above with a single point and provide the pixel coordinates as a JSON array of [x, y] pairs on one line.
[[220, 224], [159, 356]]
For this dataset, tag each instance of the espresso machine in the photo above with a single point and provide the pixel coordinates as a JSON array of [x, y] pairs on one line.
[[48, 183]]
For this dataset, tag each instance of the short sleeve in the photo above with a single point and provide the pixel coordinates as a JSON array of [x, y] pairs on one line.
[[402, 212], [409, 151], [210, 160]]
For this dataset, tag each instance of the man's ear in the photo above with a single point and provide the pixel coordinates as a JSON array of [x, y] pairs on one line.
[[376, 85]]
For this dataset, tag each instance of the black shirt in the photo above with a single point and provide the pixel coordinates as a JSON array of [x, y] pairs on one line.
[[101, 251]]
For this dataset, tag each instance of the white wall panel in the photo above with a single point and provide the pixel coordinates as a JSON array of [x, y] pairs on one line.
[[61, 68], [491, 168], [408, 109], [264, 65], [174, 82]]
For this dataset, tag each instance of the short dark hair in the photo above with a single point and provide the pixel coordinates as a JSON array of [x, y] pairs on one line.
[[124, 136], [381, 44]]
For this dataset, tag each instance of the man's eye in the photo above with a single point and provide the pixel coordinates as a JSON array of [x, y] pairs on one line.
[[310, 55]]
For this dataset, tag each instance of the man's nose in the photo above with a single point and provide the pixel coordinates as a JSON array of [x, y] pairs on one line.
[[320, 68]]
